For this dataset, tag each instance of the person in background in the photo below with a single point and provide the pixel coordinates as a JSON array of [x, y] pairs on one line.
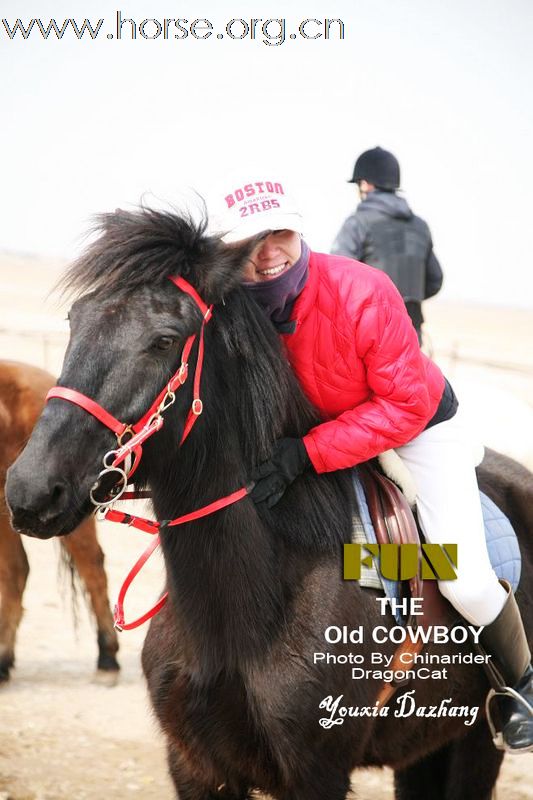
[[384, 232]]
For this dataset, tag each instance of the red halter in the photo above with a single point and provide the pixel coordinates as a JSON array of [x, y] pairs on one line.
[[152, 421], [149, 423]]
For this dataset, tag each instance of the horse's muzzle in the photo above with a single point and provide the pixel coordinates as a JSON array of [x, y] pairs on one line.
[[39, 509]]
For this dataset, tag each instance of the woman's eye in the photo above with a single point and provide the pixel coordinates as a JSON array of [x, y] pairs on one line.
[[164, 343]]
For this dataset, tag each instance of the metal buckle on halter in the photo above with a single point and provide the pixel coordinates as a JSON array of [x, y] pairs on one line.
[[167, 401], [127, 430], [117, 623], [497, 736], [156, 421], [197, 406]]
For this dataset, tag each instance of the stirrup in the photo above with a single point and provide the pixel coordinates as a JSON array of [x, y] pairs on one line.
[[497, 736]]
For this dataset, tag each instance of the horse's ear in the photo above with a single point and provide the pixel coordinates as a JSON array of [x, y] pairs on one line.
[[226, 267]]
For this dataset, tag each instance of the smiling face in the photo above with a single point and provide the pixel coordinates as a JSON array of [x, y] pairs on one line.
[[273, 255]]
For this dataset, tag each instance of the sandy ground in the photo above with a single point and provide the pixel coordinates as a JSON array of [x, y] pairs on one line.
[[64, 737]]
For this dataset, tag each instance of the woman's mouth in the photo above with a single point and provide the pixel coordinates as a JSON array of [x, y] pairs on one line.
[[272, 272]]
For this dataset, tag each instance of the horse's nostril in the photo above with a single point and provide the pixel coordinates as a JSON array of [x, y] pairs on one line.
[[57, 491], [56, 501], [44, 504], [39, 501]]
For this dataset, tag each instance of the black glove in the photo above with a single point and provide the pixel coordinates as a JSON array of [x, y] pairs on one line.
[[289, 459]]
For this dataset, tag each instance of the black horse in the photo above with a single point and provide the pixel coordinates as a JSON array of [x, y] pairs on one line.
[[229, 661]]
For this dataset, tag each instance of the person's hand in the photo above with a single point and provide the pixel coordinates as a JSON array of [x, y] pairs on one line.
[[289, 459]]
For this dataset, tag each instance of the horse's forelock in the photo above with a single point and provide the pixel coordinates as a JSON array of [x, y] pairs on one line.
[[143, 247]]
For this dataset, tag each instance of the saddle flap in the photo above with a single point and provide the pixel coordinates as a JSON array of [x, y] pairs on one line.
[[394, 523], [391, 516]]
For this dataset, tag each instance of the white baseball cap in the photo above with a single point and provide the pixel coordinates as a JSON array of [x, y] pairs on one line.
[[250, 207]]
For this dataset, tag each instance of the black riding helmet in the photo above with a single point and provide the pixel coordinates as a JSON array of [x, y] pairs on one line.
[[379, 167]]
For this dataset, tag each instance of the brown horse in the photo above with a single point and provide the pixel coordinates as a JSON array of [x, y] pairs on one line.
[[230, 664], [22, 392]]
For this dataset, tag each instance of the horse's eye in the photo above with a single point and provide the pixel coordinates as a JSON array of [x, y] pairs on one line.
[[164, 342]]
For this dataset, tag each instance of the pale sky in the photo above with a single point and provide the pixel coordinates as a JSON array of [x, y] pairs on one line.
[[88, 126]]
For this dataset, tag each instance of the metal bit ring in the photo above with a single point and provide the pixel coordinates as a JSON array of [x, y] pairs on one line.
[[115, 497]]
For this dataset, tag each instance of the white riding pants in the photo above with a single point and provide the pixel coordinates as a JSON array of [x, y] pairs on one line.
[[442, 461]]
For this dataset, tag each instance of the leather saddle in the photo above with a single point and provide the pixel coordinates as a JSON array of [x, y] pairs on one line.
[[395, 523]]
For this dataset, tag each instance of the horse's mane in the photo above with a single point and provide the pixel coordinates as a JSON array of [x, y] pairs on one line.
[[272, 406]]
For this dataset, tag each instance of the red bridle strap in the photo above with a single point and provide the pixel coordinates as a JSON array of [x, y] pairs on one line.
[[149, 526], [186, 287], [89, 405], [149, 423], [197, 406], [118, 612], [177, 380], [152, 420]]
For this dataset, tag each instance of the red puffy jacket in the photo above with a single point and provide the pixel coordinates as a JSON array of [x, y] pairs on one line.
[[356, 355]]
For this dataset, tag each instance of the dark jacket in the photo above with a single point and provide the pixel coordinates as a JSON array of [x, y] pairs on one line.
[[384, 232]]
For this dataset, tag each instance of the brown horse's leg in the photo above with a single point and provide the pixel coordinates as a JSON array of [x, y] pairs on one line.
[[464, 769], [88, 558], [14, 571]]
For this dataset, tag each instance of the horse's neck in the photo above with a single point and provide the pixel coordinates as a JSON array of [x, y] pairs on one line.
[[225, 571], [230, 577]]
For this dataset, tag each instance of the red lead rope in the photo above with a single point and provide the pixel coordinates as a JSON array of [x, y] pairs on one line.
[[150, 526]]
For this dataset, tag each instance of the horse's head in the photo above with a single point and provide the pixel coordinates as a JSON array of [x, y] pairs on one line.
[[128, 330]]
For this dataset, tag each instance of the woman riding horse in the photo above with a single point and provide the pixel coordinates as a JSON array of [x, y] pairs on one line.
[[355, 353]]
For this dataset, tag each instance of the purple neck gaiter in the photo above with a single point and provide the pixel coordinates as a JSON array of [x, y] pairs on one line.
[[276, 296]]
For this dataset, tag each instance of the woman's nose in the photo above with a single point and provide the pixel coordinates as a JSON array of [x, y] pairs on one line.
[[268, 248]]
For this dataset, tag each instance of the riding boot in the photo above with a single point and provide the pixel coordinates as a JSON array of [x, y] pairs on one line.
[[505, 640]]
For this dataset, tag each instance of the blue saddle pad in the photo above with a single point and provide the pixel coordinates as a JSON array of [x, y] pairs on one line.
[[502, 543]]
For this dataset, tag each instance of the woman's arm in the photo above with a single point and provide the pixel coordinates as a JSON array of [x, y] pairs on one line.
[[399, 404]]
